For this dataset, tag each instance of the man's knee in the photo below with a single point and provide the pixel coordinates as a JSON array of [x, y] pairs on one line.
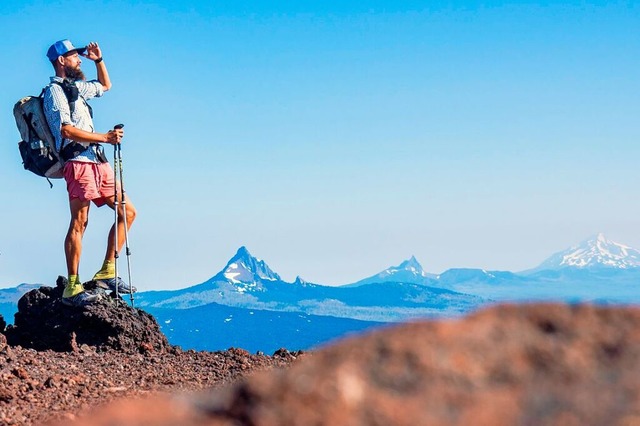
[[79, 224], [79, 216], [131, 213]]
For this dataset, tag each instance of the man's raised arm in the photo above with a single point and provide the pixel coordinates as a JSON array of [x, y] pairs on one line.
[[94, 53]]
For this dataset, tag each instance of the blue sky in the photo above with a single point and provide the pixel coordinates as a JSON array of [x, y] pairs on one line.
[[334, 139]]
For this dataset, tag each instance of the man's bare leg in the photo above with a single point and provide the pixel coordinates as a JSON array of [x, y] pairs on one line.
[[108, 267], [131, 216], [73, 244]]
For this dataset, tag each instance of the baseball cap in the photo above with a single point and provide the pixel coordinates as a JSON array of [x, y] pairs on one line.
[[62, 47]]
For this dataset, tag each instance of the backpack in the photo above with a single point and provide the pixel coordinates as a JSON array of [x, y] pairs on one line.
[[38, 146]]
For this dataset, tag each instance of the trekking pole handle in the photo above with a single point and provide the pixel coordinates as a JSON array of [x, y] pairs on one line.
[[118, 127]]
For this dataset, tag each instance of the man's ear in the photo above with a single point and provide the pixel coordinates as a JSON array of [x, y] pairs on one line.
[[60, 61]]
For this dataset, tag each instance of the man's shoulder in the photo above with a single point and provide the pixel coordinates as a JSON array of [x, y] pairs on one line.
[[55, 81], [53, 96], [55, 84]]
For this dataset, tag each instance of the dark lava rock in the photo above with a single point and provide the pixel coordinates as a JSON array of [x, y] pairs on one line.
[[43, 322]]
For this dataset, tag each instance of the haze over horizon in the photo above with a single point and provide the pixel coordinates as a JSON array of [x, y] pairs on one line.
[[336, 139]]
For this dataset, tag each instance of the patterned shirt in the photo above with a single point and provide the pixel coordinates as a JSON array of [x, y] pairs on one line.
[[58, 113]]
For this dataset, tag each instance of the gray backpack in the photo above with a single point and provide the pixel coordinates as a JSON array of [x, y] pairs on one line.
[[38, 146]]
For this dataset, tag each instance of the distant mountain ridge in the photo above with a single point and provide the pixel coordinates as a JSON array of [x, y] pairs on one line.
[[247, 293], [248, 283], [407, 290]]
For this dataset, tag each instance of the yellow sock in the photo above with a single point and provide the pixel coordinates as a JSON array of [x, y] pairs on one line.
[[73, 287], [108, 270]]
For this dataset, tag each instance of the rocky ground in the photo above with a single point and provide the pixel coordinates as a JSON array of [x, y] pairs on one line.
[[58, 362], [37, 386], [547, 364]]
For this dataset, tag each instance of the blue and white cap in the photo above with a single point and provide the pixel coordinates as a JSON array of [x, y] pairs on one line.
[[61, 48]]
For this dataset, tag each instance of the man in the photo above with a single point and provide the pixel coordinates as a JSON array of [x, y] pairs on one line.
[[87, 172]]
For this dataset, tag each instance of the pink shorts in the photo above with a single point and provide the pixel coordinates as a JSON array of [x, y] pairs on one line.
[[89, 181]]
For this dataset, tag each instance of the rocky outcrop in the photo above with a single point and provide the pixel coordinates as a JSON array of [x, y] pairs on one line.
[[43, 322], [512, 364]]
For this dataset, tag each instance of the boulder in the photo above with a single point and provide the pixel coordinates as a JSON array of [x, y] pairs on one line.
[[44, 322]]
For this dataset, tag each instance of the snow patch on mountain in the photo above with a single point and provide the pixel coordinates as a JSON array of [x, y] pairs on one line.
[[597, 251], [230, 273]]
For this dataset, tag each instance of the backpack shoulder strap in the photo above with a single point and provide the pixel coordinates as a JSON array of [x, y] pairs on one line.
[[72, 106]]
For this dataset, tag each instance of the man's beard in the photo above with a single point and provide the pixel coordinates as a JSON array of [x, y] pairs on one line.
[[74, 74]]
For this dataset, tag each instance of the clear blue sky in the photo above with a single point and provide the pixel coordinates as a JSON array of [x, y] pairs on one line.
[[337, 138]]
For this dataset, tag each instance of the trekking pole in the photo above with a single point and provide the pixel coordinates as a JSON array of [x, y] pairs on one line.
[[126, 225], [116, 203]]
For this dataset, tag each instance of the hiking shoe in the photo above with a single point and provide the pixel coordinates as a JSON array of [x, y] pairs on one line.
[[110, 283], [81, 299]]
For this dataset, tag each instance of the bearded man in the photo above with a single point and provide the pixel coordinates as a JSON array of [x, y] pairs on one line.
[[87, 172]]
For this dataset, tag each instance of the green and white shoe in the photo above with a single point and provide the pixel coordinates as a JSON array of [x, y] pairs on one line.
[[81, 299]]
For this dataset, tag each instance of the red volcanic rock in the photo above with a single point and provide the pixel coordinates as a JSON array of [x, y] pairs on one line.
[[512, 364], [40, 386]]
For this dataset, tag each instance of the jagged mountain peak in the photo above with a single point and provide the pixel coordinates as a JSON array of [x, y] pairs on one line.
[[409, 270], [243, 268], [242, 253], [410, 264], [303, 283], [596, 251]]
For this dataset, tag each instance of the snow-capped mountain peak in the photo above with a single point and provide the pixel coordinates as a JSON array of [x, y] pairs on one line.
[[597, 251], [408, 271], [411, 265], [243, 268]]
